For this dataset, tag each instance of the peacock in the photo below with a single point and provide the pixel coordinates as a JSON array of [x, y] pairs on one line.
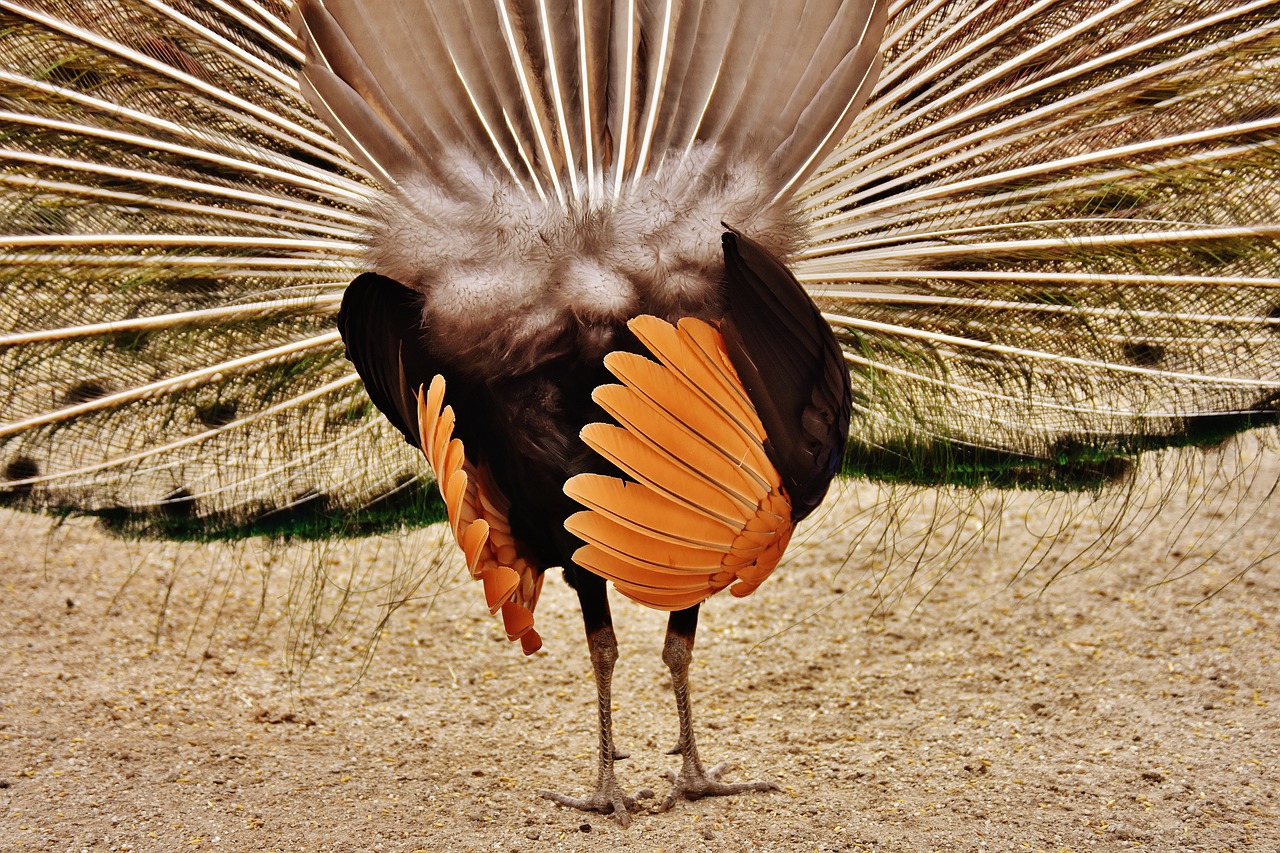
[[637, 278]]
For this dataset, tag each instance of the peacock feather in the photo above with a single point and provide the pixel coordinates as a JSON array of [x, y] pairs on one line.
[[1048, 243]]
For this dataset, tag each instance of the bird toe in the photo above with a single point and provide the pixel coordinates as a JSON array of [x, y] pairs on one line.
[[694, 783], [608, 798]]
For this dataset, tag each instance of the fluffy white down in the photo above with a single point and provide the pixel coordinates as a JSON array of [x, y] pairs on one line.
[[508, 278]]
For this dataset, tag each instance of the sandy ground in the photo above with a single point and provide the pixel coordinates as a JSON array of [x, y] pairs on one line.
[[1107, 712]]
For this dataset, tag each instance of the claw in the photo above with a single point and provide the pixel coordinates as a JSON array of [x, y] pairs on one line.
[[694, 783], [607, 799]]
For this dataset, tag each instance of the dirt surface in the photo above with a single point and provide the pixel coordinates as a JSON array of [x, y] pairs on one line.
[[1107, 712]]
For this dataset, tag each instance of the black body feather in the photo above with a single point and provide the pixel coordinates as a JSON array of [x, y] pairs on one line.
[[792, 367], [524, 429]]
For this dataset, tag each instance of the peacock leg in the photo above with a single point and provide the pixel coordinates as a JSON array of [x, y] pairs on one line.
[[608, 797], [693, 781]]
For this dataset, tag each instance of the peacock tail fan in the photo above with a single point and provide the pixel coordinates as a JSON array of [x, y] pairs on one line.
[[1049, 244], [179, 230]]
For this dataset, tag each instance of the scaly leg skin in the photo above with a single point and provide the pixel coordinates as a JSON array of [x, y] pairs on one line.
[[608, 797], [693, 781]]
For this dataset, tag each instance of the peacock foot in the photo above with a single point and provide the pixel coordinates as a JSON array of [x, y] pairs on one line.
[[608, 798], [694, 782]]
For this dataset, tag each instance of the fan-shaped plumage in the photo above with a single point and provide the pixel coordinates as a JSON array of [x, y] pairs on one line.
[[1050, 239]]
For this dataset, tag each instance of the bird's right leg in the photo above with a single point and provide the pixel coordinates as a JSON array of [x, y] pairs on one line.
[[608, 796], [694, 781]]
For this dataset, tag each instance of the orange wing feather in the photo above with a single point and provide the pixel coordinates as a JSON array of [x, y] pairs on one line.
[[707, 509], [478, 515]]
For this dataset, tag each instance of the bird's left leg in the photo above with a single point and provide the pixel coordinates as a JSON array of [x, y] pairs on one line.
[[693, 781], [608, 796]]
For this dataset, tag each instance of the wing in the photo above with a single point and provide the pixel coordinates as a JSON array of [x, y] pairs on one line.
[[792, 368], [704, 507], [1052, 240], [178, 231], [478, 516], [729, 439], [381, 324]]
